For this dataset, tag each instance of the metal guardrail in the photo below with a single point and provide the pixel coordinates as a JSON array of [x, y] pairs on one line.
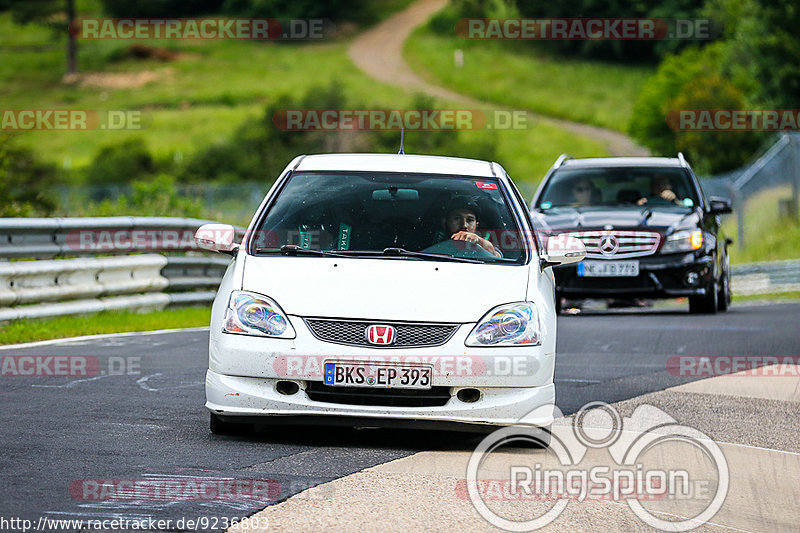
[[53, 287], [46, 286], [48, 238], [765, 277]]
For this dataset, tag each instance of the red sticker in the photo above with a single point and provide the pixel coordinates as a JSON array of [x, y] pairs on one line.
[[485, 185]]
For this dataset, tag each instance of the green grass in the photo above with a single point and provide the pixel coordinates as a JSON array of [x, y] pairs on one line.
[[106, 322], [768, 235], [592, 92], [791, 295], [203, 97]]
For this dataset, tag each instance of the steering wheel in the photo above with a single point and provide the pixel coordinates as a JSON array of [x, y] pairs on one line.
[[460, 249]]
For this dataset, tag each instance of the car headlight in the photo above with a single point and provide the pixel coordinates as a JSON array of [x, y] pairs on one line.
[[508, 325], [249, 313], [683, 241]]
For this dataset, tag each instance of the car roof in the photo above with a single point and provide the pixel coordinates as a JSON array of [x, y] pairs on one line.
[[426, 164], [623, 162]]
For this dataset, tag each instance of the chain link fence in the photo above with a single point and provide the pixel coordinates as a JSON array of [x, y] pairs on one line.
[[775, 173]]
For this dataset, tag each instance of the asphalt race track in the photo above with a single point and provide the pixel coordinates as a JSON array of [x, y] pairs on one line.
[[64, 438]]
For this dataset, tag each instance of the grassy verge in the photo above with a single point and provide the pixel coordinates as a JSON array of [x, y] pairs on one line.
[[593, 92], [106, 322], [791, 295], [204, 95], [768, 235]]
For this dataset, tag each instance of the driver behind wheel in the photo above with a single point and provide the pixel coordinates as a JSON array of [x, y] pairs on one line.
[[460, 222]]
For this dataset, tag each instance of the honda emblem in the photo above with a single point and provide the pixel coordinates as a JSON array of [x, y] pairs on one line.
[[381, 334]]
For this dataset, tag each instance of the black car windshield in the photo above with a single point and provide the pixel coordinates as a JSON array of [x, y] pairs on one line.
[[625, 186], [397, 215]]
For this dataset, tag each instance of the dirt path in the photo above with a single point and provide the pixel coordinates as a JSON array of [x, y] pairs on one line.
[[379, 52]]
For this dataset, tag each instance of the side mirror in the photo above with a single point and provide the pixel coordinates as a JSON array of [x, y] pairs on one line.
[[719, 206], [562, 250], [216, 237]]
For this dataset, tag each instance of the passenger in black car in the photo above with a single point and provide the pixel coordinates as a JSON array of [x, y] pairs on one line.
[[660, 187]]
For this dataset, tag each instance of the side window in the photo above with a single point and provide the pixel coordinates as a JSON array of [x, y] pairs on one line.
[[526, 212]]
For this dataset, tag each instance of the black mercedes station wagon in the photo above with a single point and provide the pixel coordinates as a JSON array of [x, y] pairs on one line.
[[648, 229]]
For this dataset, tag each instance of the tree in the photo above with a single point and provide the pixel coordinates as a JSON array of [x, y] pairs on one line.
[[57, 14], [25, 183]]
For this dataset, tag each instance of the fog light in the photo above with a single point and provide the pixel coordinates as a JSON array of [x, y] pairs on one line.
[[691, 278], [287, 388], [469, 395]]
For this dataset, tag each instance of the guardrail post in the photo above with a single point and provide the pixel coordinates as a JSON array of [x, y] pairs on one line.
[[738, 208], [794, 155]]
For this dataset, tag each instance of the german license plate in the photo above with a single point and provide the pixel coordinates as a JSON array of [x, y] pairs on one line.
[[608, 269], [391, 376]]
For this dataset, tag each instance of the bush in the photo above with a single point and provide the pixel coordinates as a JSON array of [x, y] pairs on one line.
[[444, 22], [156, 197], [258, 150], [353, 10], [160, 8], [692, 80], [619, 50], [715, 151], [121, 163], [25, 183]]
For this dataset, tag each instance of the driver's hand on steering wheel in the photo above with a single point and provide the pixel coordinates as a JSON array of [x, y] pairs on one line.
[[472, 238]]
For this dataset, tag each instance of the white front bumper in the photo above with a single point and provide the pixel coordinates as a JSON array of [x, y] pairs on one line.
[[243, 396]]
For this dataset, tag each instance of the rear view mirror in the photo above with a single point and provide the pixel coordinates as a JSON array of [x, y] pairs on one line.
[[563, 249], [216, 237], [393, 193], [719, 206]]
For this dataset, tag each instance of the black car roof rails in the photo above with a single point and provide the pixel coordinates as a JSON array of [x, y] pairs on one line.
[[561, 159]]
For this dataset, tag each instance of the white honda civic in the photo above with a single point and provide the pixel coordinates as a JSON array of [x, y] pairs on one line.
[[385, 290]]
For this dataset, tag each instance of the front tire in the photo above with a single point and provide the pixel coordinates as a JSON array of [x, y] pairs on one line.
[[724, 296], [705, 304]]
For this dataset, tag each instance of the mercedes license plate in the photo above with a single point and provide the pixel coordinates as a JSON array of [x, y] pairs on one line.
[[606, 269]]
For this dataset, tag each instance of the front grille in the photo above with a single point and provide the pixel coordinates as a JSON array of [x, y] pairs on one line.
[[433, 397], [352, 332], [629, 243]]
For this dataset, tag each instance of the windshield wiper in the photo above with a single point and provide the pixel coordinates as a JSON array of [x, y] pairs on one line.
[[402, 252], [293, 249]]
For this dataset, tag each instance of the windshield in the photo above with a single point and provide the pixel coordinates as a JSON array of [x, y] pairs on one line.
[[389, 214], [634, 186]]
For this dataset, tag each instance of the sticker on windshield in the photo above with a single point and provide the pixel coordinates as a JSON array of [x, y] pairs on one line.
[[344, 236], [486, 185]]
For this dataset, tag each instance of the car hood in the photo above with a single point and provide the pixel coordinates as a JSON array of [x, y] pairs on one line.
[[662, 219], [384, 289]]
